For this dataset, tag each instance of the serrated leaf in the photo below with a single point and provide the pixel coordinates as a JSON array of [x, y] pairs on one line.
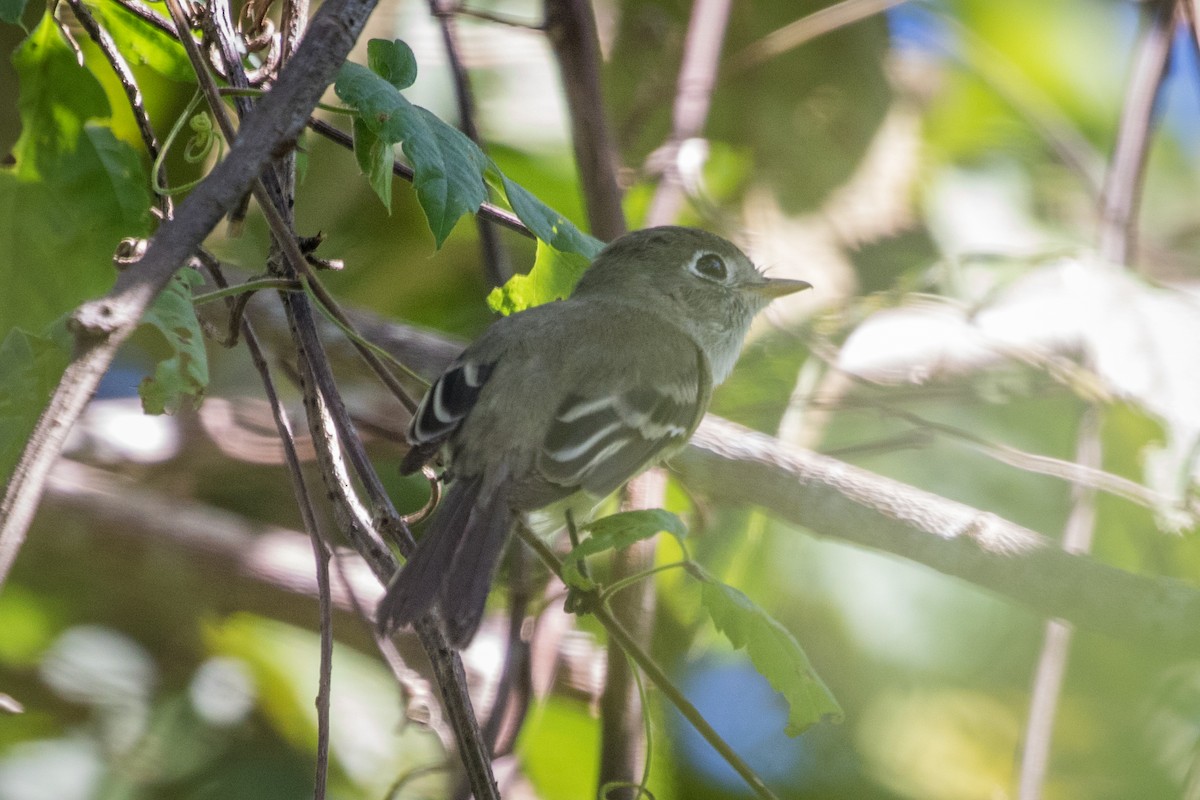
[[775, 654], [143, 43], [185, 372], [448, 166], [374, 158], [393, 61], [30, 368], [553, 276], [614, 532], [547, 224]]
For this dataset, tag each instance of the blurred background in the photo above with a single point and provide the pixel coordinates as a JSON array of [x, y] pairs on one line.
[[980, 318]]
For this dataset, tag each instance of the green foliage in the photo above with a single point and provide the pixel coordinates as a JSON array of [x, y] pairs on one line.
[[615, 532], [561, 732], [775, 654], [73, 192], [553, 276], [393, 61], [11, 10], [183, 373], [30, 367], [446, 163], [450, 171], [141, 42]]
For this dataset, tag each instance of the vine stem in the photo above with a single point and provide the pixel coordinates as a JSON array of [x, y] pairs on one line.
[[655, 673]]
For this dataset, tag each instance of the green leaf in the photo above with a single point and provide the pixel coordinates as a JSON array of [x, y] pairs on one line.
[[11, 11], [143, 43], [74, 192], [615, 532], [374, 158], [547, 224], [30, 368], [185, 372], [58, 97], [553, 276], [393, 61], [775, 654], [448, 166]]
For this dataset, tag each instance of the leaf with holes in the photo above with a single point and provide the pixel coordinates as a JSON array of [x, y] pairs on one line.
[[184, 373]]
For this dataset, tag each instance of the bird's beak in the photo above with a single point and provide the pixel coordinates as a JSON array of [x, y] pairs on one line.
[[778, 287]]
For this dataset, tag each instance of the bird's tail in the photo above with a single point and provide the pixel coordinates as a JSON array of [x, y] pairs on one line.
[[454, 563]]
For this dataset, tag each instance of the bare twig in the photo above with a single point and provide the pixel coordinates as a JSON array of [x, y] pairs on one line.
[[806, 29], [571, 29], [1056, 645], [633, 648], [1117, 239], [831, 498], [693, 97], [495, 260], [320, 548]]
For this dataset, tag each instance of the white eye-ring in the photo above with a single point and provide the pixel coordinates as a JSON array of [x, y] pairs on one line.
[[710, 266]]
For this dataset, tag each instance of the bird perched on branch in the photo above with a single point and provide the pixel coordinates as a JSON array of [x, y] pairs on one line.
[[571, 397]]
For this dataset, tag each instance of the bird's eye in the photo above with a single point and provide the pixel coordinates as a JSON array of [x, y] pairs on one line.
[[711, 266]]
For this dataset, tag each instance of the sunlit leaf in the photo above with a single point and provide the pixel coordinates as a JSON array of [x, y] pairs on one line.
[[775, 654], [184, 373], [553, 276], [73, 193], [141, 42]]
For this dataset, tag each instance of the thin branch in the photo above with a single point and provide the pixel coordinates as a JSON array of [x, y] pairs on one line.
[[1117, 241], [1056, 644], [831, 498], [495, 260], [571, 29], [693, 97], [631, 647], [495, 213], [806, 29], [333, 434], [321, 553], [733, 464]]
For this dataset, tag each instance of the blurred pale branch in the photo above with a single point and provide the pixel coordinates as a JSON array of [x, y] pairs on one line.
[[808, 28], [1123, 186], [831, 498]]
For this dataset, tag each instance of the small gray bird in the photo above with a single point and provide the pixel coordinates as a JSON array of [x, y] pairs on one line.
[[568, 397]]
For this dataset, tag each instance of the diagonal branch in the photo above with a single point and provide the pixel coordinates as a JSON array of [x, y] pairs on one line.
[[733, 464], [102, 325], [1123, 187]]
